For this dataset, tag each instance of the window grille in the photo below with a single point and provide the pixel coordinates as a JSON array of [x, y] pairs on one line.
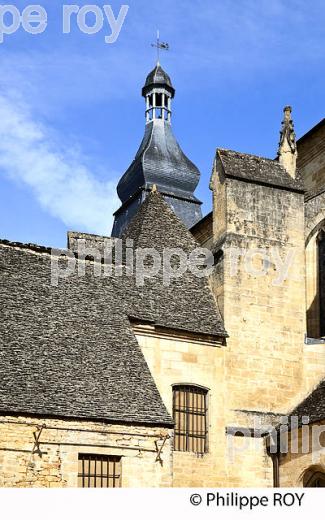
[[190, 416], [101, 471]]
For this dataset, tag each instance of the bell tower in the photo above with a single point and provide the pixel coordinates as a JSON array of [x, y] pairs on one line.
[[158, 93], [159, 161]]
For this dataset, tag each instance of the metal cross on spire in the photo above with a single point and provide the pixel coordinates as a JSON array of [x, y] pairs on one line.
[[160, 46]]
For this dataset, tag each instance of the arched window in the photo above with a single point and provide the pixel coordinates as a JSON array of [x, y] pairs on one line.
[[190, 416], [321, 281], [315, 480]]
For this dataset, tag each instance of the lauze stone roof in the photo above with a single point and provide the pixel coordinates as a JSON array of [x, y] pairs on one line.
[[70, 350], [186, 303], [313, 406], [257, 169]]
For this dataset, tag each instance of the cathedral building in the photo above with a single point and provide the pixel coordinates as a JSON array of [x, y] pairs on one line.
[[109, 379]]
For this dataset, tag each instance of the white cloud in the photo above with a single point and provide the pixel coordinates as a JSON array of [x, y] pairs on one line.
[[59, 176]]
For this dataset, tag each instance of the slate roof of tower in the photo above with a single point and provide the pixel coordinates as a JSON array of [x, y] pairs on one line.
[[158, 77], [161, 161], [70, 350], [257, 169]]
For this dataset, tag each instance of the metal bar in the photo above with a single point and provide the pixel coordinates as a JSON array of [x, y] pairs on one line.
[[196, 430], [19, 451], [60, 428], [174, 417], [98, 446], [187, 419], [205, 423]]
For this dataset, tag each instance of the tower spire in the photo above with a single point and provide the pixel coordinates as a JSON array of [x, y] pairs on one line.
[[287, 151], [159, 164]]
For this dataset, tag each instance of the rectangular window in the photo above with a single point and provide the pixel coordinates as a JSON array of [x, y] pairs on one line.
[[101, 471], [190, 416]]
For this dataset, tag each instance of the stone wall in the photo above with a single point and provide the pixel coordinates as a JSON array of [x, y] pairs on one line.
[[173, 360], [248, 464], [264, 312], [202, 231], [256, 229], [56, 465], [311, 158], [314, 369], [314, 213], [90, 245], [306, 453]]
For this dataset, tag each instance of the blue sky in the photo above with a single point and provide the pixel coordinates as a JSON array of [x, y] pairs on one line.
[[72, 116]]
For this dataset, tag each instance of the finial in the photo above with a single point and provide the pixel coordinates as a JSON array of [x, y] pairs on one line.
[[287, 151], [154, 188], [160, 46]]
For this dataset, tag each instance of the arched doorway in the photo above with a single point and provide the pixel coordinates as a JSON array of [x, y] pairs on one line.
[[316, 479]]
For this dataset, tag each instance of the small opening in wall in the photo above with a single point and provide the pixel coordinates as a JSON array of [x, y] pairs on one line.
[[101, 471]]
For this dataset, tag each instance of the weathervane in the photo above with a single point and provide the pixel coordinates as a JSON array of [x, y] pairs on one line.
[[160, 46]]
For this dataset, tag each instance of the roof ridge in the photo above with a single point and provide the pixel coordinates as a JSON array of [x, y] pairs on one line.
[[28, 246], [257, 169], [146, 148], [275, 161]]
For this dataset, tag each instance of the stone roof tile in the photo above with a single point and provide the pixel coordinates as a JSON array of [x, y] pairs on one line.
[[257, 169]]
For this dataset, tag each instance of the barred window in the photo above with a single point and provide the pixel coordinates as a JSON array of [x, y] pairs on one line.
[[190, 416], [101, 471]]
